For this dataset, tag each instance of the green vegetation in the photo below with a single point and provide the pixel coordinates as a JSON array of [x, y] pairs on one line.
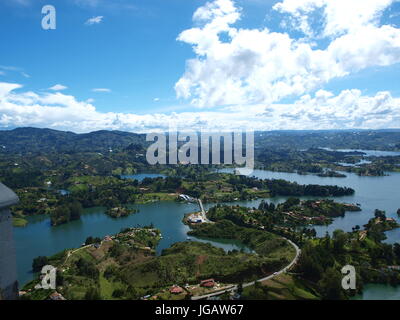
[[92, 272], [124, 266], [119, 212], [282, 287], [262, 242], [289, 214], [19, 222], [65, 212], [322, 259], [38, 163]]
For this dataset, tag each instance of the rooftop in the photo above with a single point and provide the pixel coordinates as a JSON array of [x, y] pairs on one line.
[[7, 197]]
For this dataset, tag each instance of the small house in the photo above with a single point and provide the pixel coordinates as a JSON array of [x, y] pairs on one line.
[[209, 283], [176, 289]]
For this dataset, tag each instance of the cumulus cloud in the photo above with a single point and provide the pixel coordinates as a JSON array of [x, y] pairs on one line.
[[58, 87], [339, 16], [236, 66], [94, 20], [323, 110]]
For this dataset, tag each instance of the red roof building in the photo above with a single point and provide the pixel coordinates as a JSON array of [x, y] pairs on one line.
[[209, 283], [176, 290]]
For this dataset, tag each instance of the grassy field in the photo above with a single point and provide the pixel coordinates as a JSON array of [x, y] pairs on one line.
[[19, 222], [281, 287]]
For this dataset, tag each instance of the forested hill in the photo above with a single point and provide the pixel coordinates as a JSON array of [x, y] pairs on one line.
[[47, 140], [25, 140], [388, 140]]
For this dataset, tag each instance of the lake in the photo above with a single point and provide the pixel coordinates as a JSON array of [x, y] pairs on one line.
[[378, 292], [368, 153], [141, 176], [371, 192], [39, 238]]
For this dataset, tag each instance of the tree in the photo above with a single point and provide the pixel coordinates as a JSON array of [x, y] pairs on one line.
[[339, 241], [118, 293], [92, 294], [240, 288], [38, 263], [75, 209], [396, 250], [60, 215], [330, 285], [132, 293], [380, 214]]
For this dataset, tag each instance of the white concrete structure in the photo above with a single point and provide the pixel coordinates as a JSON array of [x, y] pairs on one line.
[[8, 266]]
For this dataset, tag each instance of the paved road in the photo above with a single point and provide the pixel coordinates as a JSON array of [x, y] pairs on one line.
[[234, 288]]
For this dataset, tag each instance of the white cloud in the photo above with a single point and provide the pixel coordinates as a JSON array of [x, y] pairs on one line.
[[349, 109], [156, 99], [14, 69], [58, 87], [340, 16], [94, 20], [101, 90], [259, 66]]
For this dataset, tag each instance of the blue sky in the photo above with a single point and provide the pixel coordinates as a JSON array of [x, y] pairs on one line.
[[254, 63], [132, 51]]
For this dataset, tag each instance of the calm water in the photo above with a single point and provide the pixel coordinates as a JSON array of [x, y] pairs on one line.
[[39, 238], [371, 192], [141, 176], [379, 292], [369, 153]]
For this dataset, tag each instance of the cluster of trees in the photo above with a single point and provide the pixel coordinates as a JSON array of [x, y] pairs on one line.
[[38, 263], [168, 184], [92, 240], [86, 268], [66, 211], [261, 241], [286, 188], [21, 177], [379, 224], [320, 262]]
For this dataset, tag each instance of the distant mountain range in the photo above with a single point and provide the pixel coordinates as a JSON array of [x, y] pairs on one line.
[[25, 140], [48, 140]]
